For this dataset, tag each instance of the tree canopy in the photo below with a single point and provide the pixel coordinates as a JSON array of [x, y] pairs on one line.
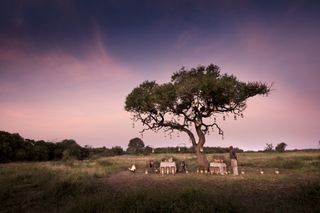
[[135, 146], [281, 147]]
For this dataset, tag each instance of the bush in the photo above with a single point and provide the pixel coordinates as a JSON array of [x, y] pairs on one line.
[[117, 150], [281, 147], [135, 146]]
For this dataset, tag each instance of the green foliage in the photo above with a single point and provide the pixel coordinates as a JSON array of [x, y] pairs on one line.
[[187, 102], [147, 150], [117, 150], [105, 152], [9, 145], [205, 83], [281, 147], [136, 143], [15, 148], [72, 150], [135, 146]]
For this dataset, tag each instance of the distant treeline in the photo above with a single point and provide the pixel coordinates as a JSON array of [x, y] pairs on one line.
[[13, 147]]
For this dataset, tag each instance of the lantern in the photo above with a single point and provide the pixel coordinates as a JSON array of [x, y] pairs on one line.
[[167, 170], [162, 170]]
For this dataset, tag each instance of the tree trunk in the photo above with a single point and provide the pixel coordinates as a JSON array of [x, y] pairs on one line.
[[202, 160], [203, 163]]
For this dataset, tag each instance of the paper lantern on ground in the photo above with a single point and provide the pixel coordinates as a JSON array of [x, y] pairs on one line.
[[168, 170], [173, 170], [162, 170]]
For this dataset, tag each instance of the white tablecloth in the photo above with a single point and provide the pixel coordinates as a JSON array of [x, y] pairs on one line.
[[213, 164], [221, 166], [168, 164], [166, 168]]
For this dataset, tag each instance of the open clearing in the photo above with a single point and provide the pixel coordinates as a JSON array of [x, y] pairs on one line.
[[105, 185]]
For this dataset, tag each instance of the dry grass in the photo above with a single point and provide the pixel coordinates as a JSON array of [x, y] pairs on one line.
[[104, 185]]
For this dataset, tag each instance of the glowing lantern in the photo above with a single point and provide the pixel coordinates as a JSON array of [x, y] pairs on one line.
[[162, 170]]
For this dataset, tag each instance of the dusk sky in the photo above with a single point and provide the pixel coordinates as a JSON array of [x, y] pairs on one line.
[[66, 66]]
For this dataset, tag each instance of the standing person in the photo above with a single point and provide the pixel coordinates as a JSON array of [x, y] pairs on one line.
[[151, 166], [234, 161], [183, 167]]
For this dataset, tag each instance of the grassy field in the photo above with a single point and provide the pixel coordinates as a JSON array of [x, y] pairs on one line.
[[105, 185]]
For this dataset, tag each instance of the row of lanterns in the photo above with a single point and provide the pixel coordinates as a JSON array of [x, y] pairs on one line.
[[190, 123], [178, 135]]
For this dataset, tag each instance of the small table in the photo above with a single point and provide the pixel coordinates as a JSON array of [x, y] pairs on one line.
[[218, 168], [168, 168]]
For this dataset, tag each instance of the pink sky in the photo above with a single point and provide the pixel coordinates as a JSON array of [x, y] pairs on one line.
[[63, 97], [78, 92]]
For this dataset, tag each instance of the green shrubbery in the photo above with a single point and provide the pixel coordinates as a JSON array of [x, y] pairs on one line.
[[15, 148]]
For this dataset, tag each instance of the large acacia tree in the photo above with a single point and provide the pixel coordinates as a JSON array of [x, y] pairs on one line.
[[191, 102]]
